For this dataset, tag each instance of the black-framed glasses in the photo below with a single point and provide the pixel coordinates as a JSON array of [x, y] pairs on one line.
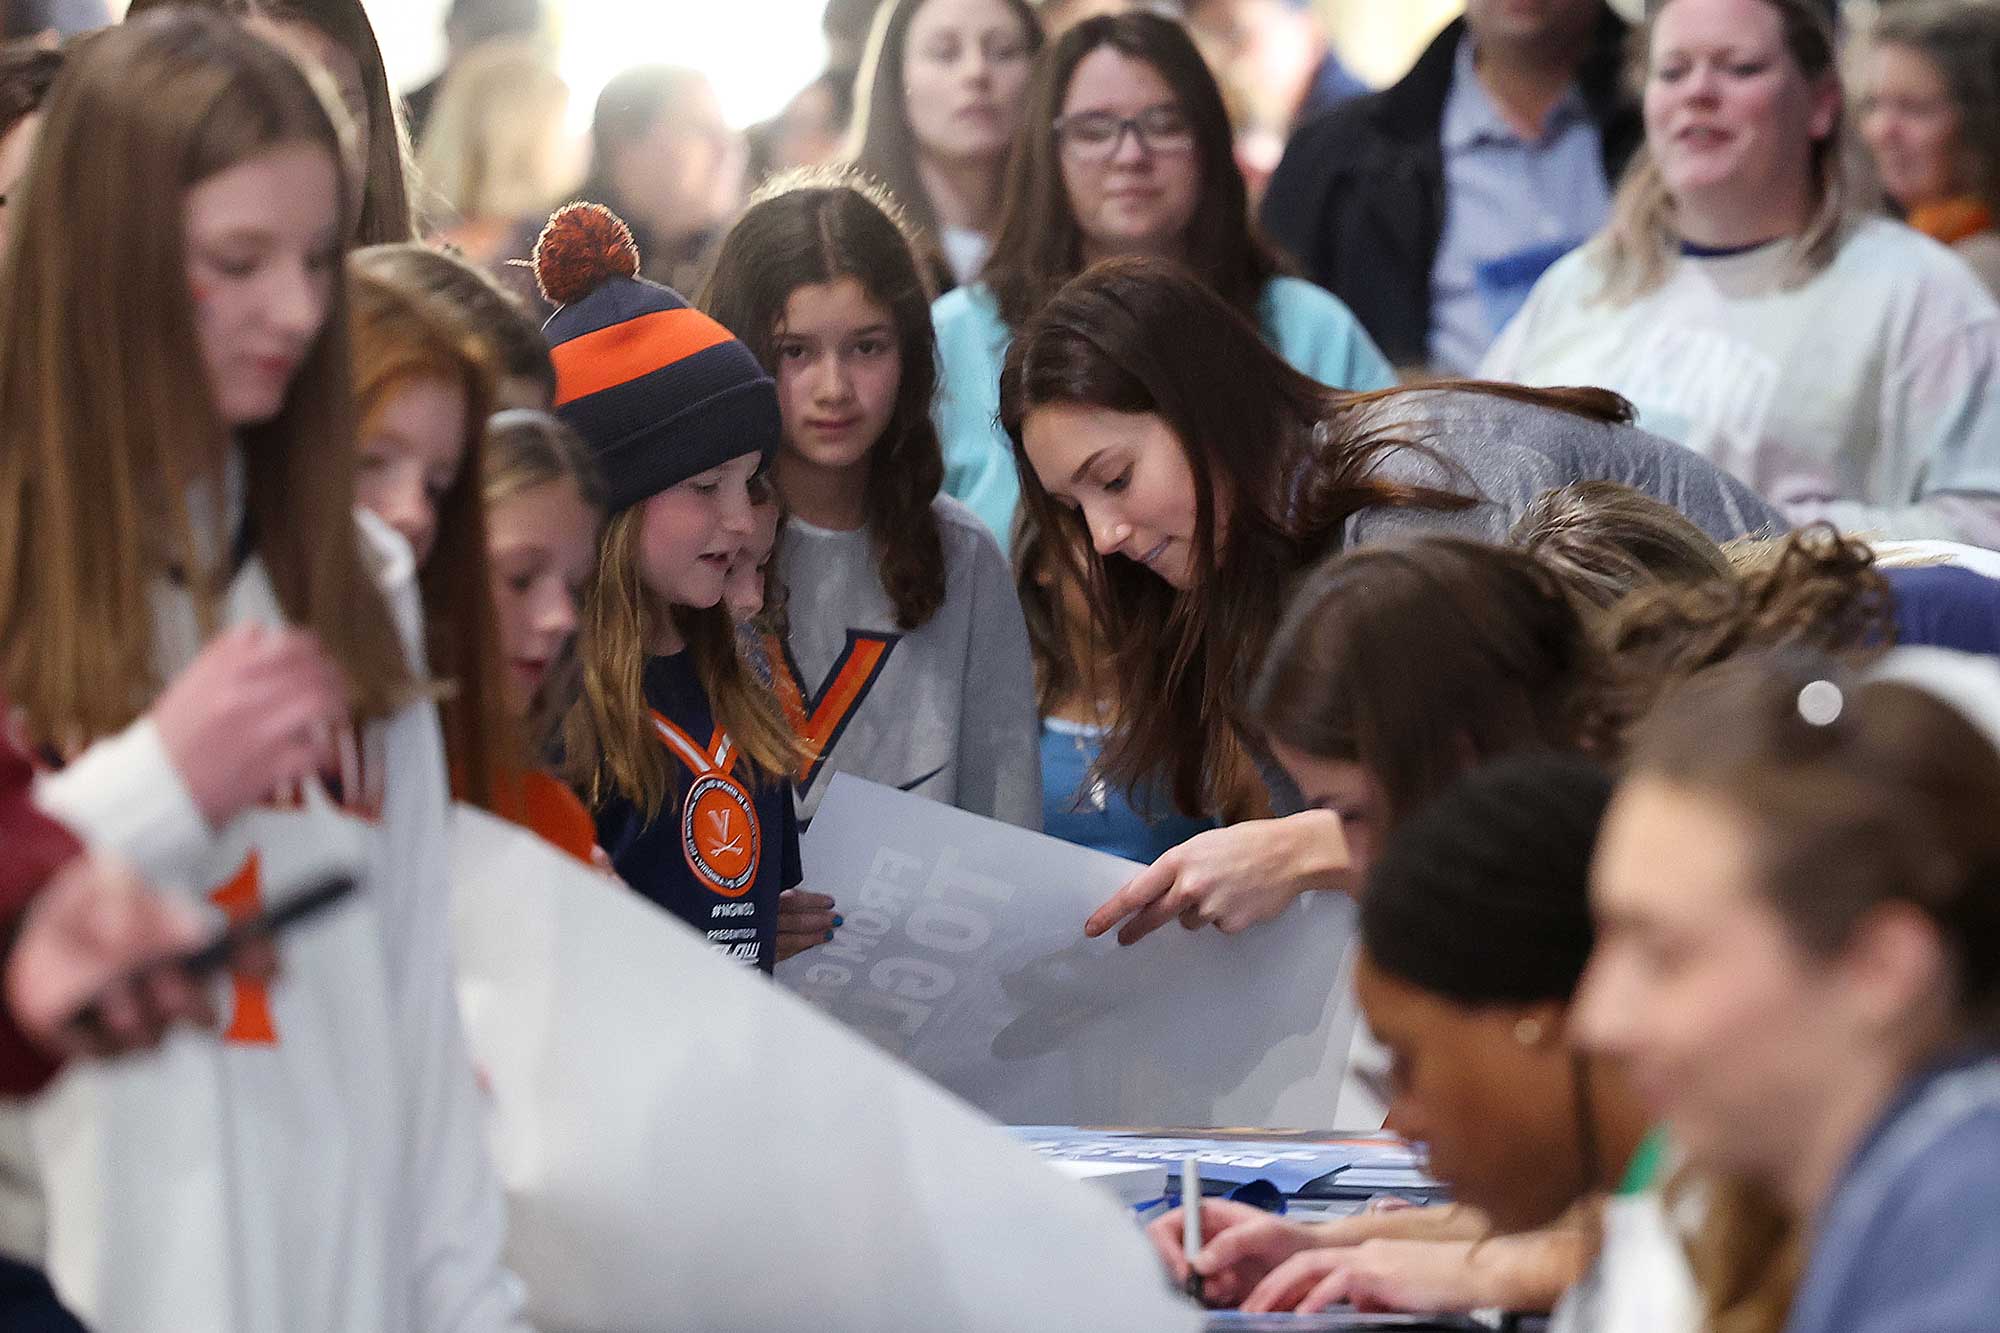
[[1094, 136]]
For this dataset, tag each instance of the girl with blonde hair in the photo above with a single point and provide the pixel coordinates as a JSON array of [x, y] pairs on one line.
[[544, 507], [683, 756]]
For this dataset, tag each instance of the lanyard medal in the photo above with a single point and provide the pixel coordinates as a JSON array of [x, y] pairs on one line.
[[720, 835]]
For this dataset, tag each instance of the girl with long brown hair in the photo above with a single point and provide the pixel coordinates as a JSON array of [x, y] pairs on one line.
[[1840, 364], [1125, 149], [1204, 475], [904, 659], [684, 757], [336, 36], [1399, 668], [176, 479], [1078, 805], [938, 101]]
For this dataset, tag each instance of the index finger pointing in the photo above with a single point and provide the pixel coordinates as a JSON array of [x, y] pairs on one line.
[[1141, 891]]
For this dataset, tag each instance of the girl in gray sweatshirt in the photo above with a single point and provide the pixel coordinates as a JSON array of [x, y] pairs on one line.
[[902, 656]]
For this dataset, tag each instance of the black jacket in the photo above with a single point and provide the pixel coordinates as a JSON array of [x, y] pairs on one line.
[[1358, 201]]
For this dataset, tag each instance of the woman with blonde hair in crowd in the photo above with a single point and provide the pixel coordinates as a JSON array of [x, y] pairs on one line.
[[937, 102], [495, 150], [1845, 366], [1930, 112], [337, 38], [177, 504], [1607, 540]]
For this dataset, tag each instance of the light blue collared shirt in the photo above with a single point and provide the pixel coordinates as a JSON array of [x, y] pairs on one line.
[[1513, 206]]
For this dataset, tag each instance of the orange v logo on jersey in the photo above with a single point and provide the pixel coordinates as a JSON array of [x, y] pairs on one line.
[[820, 720], [240, 899]]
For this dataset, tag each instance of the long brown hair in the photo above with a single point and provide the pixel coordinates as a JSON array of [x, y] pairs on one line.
[[1039, 246], [609, 745], [1294, 458], [1813, 589], [385, 200], [884, 146], [1062, 657], [103, 429], [1419, 658], [401, 336], [1747, 1255], [818, 227], [1640, 245]]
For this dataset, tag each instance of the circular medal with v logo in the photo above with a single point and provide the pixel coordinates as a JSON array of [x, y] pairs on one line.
[[720, 835]]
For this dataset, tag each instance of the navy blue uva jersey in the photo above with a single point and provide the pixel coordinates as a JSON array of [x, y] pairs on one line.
[[724, 844]]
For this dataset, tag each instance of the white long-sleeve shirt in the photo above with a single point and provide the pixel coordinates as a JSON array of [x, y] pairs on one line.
[[321, 1166], [1868, 395]]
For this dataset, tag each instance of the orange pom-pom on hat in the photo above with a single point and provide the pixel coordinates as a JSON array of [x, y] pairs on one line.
[[582, 247]]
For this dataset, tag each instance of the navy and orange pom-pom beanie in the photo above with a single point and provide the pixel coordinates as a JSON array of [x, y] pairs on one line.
[[658, 390]]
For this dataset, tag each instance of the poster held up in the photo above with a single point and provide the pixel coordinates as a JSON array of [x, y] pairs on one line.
[[963, 954]]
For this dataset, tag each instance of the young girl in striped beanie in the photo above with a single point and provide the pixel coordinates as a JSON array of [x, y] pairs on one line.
[[682, 755]]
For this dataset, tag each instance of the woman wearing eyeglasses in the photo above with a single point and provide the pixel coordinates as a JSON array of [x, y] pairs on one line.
[[1124, 149]]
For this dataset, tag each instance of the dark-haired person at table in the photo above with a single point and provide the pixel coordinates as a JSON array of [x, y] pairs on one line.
[[1196, 479], [1475, 929]]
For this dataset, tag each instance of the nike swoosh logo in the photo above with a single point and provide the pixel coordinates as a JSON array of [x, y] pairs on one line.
[[915, 783]]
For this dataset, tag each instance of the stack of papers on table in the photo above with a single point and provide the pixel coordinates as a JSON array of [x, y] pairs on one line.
[[1310, 1164]]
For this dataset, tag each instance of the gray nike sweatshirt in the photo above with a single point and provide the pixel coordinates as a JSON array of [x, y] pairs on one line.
[[946, 710]]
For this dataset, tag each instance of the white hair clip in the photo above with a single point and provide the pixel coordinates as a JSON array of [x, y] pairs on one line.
[[1820, 703]]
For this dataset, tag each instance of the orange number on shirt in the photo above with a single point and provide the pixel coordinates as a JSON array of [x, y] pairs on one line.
[[241, 898]]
